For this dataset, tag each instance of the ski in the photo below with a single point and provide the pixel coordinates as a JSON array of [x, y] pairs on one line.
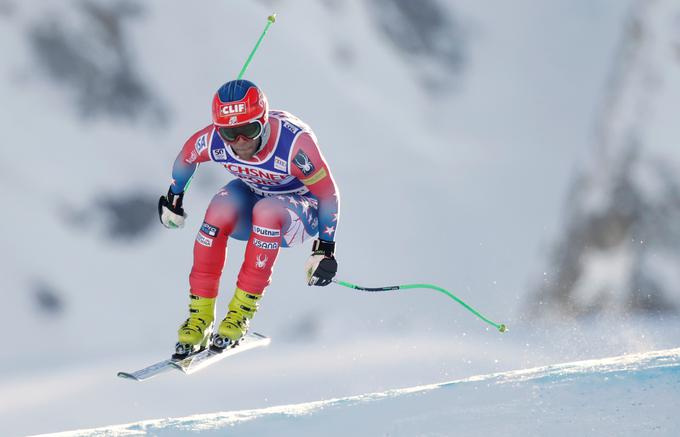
[[197, 361], [203, 359], [149, 372]]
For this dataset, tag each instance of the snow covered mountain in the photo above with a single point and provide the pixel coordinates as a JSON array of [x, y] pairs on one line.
[[452, 130], [629, 395], [620, 249]]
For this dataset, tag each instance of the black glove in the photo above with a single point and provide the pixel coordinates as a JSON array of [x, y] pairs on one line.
[[170, 210], [321, 266]]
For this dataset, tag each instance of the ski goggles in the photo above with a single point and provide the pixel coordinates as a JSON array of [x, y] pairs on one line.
[[251, 131]]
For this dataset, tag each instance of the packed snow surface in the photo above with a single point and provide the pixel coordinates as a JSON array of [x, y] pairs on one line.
[[632, 394]]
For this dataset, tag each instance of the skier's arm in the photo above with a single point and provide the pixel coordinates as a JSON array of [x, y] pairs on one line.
[[309, 165], [194, 151]]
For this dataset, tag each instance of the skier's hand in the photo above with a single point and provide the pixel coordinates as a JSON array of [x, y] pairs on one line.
[[170, 210], [321, 266]]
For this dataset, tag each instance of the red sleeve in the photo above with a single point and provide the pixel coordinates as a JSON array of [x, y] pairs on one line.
[[309, 165], [194, 151]]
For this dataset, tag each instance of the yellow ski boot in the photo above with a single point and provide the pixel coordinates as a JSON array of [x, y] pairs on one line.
[[235, 325], [194, 333]]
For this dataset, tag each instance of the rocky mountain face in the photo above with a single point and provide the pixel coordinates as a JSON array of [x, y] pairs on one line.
[[430, 37], [87, 50], [620, 248]]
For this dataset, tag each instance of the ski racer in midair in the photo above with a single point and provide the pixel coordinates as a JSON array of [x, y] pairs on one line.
[[283, 194]]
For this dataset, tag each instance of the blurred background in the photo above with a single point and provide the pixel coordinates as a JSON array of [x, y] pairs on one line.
[[524, 155]]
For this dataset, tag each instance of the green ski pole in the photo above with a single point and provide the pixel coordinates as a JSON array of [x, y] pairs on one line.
[[499, 326], [270, 20]]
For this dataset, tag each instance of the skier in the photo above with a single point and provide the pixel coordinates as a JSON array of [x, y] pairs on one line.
[[283, 194]]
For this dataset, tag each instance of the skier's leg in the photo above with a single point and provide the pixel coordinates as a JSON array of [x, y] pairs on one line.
[[270, 215], [277, 221], [280, 221], [229, 213]]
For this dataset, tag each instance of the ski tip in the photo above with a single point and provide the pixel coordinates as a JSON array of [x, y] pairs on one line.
[[263, 338], [126, 375]]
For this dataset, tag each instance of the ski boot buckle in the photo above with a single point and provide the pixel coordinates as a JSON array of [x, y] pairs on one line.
[[220, 343], [183, 350]]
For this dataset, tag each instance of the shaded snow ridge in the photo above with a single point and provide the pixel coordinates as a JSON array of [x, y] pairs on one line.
[[627, 395]]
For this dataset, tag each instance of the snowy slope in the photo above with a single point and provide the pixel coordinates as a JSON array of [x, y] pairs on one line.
[[458, 188], [628, 395]]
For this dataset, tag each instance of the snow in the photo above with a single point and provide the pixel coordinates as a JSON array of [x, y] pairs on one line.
[[601, 281], [85, 393], [460, 189], [627, 395]]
